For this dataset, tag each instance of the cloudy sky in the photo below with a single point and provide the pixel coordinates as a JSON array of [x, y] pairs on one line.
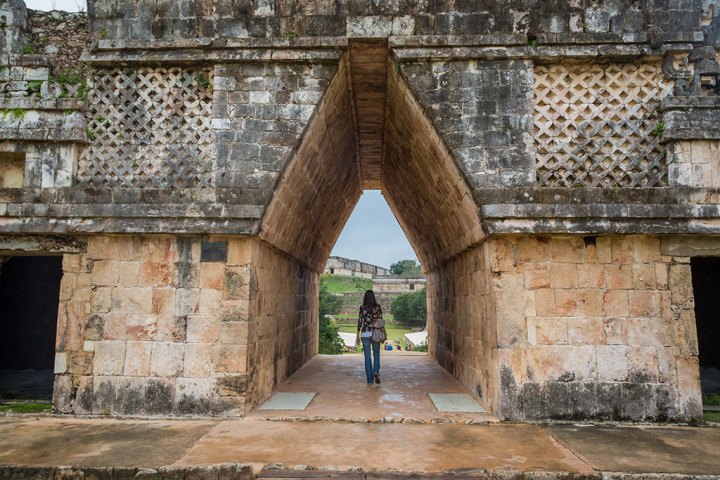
[[371, 235], [65, 5]]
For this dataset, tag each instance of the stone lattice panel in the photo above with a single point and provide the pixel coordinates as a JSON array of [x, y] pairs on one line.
[[149, 127], [594, 125]]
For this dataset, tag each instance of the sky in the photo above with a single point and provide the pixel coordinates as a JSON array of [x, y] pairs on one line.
[[64, 5], [372, 234]]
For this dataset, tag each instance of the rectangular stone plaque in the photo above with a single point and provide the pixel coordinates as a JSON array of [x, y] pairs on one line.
[[213, 252]]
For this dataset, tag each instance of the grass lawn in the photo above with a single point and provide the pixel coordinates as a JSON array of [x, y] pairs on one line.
[[26, 408], [347, 316], [393, 332], [711, 416], [340, 283]]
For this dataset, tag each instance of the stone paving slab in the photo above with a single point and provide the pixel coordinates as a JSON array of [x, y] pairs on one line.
[[384, 447], [455, 402], [689, 450], [344, 395], [119, 449], [288, 401], [97, 442]]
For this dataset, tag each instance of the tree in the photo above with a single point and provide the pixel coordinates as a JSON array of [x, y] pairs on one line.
[[406, 268], [410, 307], [329, 341]]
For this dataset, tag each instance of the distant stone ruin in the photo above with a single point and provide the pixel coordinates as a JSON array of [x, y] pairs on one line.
[[555, 165]]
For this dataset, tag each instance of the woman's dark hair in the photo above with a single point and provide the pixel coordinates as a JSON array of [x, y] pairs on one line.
[[369, 301]]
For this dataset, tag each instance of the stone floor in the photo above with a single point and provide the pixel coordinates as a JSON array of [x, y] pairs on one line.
[[314, 441], [343, 394]]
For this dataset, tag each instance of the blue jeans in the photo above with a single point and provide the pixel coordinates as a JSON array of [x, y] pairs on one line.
[[369, 369]]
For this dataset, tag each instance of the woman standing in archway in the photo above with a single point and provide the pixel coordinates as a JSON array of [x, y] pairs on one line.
[[370, 321]]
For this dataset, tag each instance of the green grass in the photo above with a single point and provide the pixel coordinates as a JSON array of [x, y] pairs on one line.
[[393, 332], [711, 399], [712, 417], [26, 408], [339, 283], [347, 316]]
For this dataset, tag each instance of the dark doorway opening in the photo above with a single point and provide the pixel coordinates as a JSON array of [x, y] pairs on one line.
[[705, 280], [29, 297]]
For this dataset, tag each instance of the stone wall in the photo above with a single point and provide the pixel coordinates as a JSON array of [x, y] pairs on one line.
[[353, 268], [568, 328], [145, 328], [228, 19], [62, 37], [462, 321], [284, 311], [321, 183], [595, 327]]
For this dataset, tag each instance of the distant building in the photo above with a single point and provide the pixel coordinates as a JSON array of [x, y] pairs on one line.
[[353, 268]]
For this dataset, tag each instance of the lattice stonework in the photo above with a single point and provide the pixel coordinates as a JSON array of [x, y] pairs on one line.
[[596, 125], [149, 127]]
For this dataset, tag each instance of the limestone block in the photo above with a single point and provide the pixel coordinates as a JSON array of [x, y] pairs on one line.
[[584, 330], [644, 276], [234, 333], [203, 329], [71, 263], [109, 357], [619, 276], [156, 274], [195, 395], [60, 362], [137, 358], [584, 362], [549, 362], [689, 396], [404, 25], [132, 300], [685, 333], [129, 273], [531, 249], [63, 393], [590, 275], [105, 272], [642, 363], [615, 303], [370, 26], [198, 360], [171, 328], [240, 251], [209, 302], [229, 358], [615, 331], [643, 303], [567, 249], [563, 275], [163, 301], [140, 327], [551, 331], [589, 302], [212, 275], [545, 302], [187, 301], [167, 359], [603, 247], [100, 300], [501, 259], [95, 328], [566, 302], [537, 276], [612, 363], [680, 282]]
